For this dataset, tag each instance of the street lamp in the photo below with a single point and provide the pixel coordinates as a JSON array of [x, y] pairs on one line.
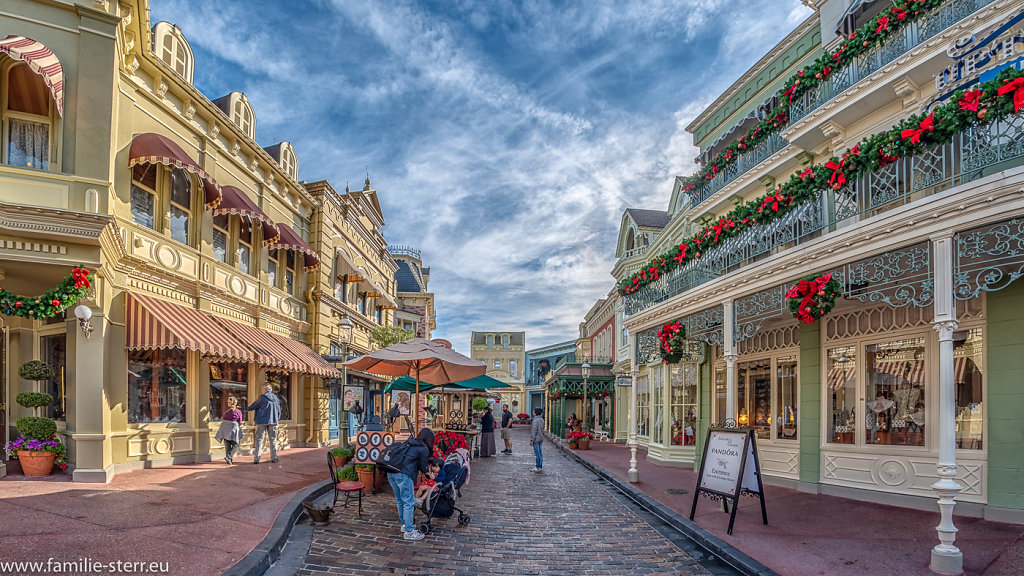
[[585, 371], [344, 336]]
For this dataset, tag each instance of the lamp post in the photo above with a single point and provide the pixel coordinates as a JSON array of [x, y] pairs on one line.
[[344, 336], [585, 371]]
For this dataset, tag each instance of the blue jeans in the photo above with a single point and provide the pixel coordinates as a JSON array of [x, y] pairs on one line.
[[404, 491], [538, 454]]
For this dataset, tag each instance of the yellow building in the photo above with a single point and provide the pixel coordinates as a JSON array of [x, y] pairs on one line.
[[504, 353]]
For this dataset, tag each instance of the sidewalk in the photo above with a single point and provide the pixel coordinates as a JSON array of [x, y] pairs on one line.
[[199, 518], [815, 535]]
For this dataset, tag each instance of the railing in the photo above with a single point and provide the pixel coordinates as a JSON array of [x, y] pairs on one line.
[[971, 155], [898, 43], [405, 251], [745, 162]]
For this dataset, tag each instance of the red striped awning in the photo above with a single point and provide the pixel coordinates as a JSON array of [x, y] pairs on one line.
[[40, 60], [234, 201], [838, 377], [150, 148], [915, 372], [959, 369], [315, 364], [153, 323], [268, 351], [289, 240]]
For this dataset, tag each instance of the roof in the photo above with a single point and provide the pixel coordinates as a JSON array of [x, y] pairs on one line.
[[275, 151], [649, 218], [224, 103], [408, 277], [514, 339]]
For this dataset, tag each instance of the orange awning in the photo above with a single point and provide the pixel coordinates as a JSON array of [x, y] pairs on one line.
[[268, 351], [157, 324]]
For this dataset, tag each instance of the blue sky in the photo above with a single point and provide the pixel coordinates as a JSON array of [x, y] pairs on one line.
[[504, 139]]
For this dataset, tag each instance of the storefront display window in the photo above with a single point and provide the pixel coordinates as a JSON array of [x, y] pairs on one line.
[[282, 383], [643, 406], [658, 403], [720, 395], [54, 351], [754, 396], [227, 379], [968, 380], [156, 386], [786, 399], [894, 392], [683, 398], [841, 395]]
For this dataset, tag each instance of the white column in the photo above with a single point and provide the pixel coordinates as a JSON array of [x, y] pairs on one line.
[[633, 475], [946, 557], [730, 361]]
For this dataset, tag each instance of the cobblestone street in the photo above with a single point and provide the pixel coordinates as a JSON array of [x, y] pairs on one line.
[[562, 521]]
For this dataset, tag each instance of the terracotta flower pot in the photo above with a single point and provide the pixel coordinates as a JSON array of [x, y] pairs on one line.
[[573, 445], [381, 480], [366, 478], [36, 463], [584, 444]]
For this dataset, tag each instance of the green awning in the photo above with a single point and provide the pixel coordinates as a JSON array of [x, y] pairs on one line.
[[407, 383], [483, 382]]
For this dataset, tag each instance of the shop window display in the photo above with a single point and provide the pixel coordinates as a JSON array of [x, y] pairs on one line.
[[894, 392], [683, 399], [754, 396], [658, 404], [968, 381], [156, 386], [54, 350], [841, 395], [721, 392], [227, 379], [786, 398], [282, 383], [643, 406]]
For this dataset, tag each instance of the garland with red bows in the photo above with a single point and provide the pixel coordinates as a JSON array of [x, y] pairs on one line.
[[673, 342], [49, 303], [813, 297], [984, 103]]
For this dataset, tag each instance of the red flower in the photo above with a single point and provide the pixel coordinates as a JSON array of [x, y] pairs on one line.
[[1017, 87], [81, 277], [808, 173], [886, 158], [926, 125], [899, 13], [883, 24]]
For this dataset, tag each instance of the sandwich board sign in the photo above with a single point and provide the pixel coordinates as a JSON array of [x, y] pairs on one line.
[[728, 469]]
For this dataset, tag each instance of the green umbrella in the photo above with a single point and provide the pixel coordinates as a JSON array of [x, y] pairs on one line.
[[407, 383]]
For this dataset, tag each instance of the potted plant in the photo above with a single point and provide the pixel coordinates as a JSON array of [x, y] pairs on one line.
[[573, 437], [341, 455], [523, 418], [580, 440], [348, 473], [37, 448], [365, 474]]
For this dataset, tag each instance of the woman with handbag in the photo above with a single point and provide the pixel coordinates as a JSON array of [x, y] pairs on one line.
[[230, 431]]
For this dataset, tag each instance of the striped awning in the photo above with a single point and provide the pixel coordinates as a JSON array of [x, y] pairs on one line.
[[910, 370], [289, 240], [314, 364], [959, 369], [40, 60], [234, 201], [150, 148], [268, 351], [157, 324], [839, 377]]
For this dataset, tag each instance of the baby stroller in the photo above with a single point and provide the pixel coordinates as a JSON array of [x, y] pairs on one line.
[[440, 502]]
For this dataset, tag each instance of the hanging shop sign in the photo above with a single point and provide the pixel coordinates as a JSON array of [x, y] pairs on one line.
[[728, 469]]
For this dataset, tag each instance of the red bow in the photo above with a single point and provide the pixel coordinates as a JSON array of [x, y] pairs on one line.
[[883, 24], [1017, 87], [81, 278], [970, 100], [654, 271], [772, 199], [789, 93], [838, 55], [682, 252], [900, 14], [723, 224], [915, 133], [885, 158], [837, 179]]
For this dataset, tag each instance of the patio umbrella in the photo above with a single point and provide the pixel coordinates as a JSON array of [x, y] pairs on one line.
[[422, 359]]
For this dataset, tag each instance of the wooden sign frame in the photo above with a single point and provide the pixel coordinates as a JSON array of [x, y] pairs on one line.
[[734, 449]]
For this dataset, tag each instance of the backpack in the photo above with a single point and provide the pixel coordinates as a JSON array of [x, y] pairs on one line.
[[393, 457]]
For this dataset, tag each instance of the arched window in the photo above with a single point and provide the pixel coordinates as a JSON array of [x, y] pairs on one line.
[[288, 162], [170, 45], [27, 118], [242, 115], [630, 240]]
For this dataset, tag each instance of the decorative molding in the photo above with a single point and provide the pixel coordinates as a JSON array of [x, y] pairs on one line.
[[85, 227], [907, 91]]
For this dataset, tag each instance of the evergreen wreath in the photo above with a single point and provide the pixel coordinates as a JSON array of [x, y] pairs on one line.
[[49, 303], [813, 297], [673, 342]]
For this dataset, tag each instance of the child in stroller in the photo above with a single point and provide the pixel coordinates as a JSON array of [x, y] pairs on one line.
[[439, 501]]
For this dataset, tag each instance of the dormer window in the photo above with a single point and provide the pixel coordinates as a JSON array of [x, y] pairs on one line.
[[242, 116], [288, 162], [171, 47]]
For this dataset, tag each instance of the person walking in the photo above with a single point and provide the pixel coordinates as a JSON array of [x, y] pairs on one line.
[[506, 429], [537, 437], [487, 448], [230, 431], [268, 413], [403, 482]]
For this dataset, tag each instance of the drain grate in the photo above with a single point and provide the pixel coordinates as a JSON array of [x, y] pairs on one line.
[[676, 491]]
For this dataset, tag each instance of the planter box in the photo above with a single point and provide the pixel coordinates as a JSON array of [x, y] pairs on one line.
[[36, 463]]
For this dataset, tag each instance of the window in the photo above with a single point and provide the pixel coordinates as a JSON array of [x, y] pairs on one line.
[[282, 383], [242, 116], [754, 396], [170, 45], [288, 162], [54, 352], [220, 237], [244, 253], [894, 392], [512, 368], [968, 380], [156, 386], [683, 404], [300, 227], [181, 205], [504, 341], [272, 267], [497, 364], [786, 398], [490, 341], [658, 404], [842, 394], [143, 194], [227, 379], [174, 55], [27, 119], [378, 314], [721, 393], [643, 406], [361, 303]]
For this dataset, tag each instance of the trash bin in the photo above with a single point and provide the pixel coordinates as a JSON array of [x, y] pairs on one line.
[[319, 514]]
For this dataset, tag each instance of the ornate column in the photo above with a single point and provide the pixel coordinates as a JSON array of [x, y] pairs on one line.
[[633, 475], [946, 557], [729, 347]]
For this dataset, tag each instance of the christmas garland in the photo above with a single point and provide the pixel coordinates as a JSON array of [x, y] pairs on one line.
[[49, 303], [988, 102], [864, 39], [673, 342], [813, 297]]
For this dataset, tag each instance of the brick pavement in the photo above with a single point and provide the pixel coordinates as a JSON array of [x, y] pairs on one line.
[[561, 521]]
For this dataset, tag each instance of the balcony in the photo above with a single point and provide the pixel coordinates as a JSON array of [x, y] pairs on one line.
[[745, 162], [898, 44], [973, 154]]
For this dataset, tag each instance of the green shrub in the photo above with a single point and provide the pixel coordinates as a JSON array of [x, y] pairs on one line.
[[342, 453], [33, 399], [36, 370], [364, 466], [480, 404], [348, 473], [35, 428]]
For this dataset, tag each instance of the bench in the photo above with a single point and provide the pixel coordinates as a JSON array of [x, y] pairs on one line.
[[350, 488]]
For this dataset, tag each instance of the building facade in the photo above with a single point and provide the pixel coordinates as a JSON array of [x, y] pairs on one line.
[[851, 149], [504, 353], [416, 303], [540, 363]]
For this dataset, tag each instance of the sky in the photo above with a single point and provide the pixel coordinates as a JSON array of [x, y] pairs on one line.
[[504, 139]]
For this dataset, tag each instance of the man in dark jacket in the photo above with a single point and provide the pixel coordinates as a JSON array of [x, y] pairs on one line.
[[506, 429], [268, 413], [403, 483]]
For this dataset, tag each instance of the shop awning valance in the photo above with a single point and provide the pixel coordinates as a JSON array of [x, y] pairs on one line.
[[157, 324], [314, 363], [40, 60], [268, 351], [234, 201], [150, 148], [838, 377], [911, 370], [289, 240]]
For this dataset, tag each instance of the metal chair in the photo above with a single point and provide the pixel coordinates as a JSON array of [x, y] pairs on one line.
[[344, 486]]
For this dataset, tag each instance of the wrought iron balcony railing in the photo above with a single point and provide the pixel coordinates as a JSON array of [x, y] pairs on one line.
[[745, 162], [973, 154], [898, 44]]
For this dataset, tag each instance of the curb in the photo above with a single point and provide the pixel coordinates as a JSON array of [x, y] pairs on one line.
[[702, 537], [259, 560]]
